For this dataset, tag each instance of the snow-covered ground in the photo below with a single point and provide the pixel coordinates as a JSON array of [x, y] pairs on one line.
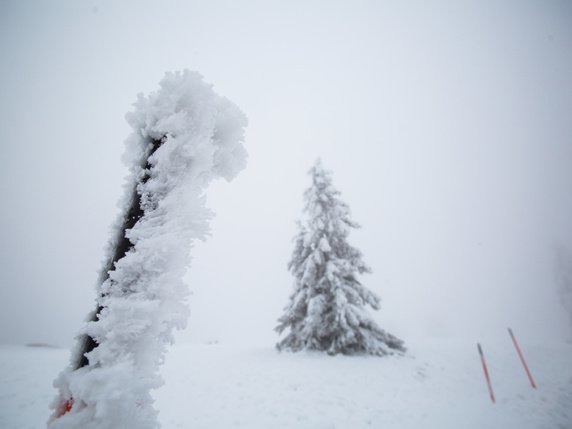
[[438, 384]]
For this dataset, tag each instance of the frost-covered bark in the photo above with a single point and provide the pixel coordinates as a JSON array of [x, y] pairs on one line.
[[184, 135], [327, 308]]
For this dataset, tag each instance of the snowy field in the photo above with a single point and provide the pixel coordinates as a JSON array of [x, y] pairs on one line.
[[439, 384]]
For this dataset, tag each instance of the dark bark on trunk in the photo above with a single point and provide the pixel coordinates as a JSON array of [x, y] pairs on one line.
[[134, 213]]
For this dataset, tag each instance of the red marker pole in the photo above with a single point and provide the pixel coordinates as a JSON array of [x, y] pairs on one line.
[[522, 359], [486, 373]]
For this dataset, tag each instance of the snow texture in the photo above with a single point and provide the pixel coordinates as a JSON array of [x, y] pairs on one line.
[[438, 384], [142, 296], [327, 308]]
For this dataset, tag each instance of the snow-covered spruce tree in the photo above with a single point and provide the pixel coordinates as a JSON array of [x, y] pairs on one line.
[[184, 135], [327, 311]]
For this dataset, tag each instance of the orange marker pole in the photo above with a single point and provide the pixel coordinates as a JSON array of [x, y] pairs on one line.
[[486, 373], [522, 359]]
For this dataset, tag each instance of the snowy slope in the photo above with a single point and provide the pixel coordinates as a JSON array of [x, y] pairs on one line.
[[439, 384]]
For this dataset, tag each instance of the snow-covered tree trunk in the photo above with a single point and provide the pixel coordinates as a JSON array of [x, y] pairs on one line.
[[121, 245], [327, 308], [184, 135]]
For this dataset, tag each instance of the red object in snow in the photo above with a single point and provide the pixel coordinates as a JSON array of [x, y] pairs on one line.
[[486, 373], [522, 359], [64, 408]]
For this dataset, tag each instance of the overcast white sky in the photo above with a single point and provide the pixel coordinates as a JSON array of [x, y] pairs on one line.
[[446, 123]]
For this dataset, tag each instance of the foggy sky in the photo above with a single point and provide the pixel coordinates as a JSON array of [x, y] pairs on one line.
[[446, 124]]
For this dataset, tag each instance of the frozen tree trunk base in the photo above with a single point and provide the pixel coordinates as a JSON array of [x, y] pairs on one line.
[[184, 136]]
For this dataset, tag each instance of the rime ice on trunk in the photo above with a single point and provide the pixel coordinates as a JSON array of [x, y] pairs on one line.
[[326, 311], [184, 135]]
